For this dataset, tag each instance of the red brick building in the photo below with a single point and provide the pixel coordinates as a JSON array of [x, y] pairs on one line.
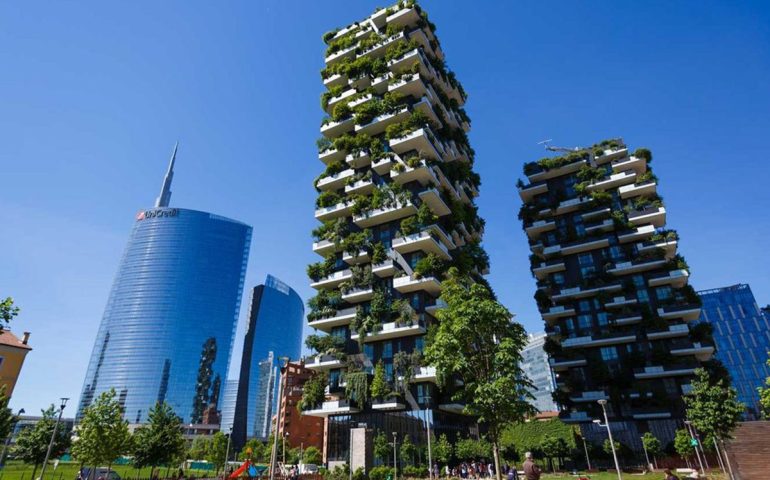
[[302, 430]]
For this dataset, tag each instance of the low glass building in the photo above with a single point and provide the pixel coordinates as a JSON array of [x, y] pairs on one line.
[[742, 336]]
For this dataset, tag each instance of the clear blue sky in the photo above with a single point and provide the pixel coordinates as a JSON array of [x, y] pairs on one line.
[[94, 94]]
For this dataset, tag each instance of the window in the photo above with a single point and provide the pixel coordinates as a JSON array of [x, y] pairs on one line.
[[585, 259], [387, 350], [415, 258], [340, 332], [423, 394], [616, 253], [663, 293], [609, 353], [369, 350], [587, 272], [639, 281], [558, 279], [419, 344], [584, 306], [415, 301], [643, 296], [584, 321], [580, 229], [602, 318], [671, 387], [386, 238]]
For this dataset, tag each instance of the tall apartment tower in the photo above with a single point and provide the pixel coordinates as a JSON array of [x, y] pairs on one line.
[[612, 291], [396, 210], [742, 336]]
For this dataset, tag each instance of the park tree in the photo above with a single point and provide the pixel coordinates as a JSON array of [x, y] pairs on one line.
[[442, 449], [253, 450], [102, 436], [32, 443], [764, 395], [312, 455], [382, 448], [652, 445], [477, 342], [160, 442], [554, 448], [713, 407], [217, 450], [407, 451], [682, 444], [199, 449], [7, 312]]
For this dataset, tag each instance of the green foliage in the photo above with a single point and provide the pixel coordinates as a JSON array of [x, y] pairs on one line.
[[442, 449], [550, 163], [682, 443], [313, 392], [467, 449], [334, 91], [415, 121], [317, 271], [764, 395], [607, 447], [383, 449], [399, 48], [217, 450], [199, 449], [8, 311], [406, 452], [644, 154], [713, 406], [328, 198], [32, 443], [652, 444], [430, 265], [413, 471], [357, 387], [312, 455], [528, 436], [379, 387], [553, 448], [103, 435], [325, 344], [7, 418], [324, 304], [255, 451], [160, 442], [381, 473], [379, 254], [410, 226]]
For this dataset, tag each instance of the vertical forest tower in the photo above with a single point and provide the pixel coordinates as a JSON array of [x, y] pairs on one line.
[[396, 210]]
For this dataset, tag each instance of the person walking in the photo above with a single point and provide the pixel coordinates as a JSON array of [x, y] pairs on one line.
[[531, 470], [512, 473]]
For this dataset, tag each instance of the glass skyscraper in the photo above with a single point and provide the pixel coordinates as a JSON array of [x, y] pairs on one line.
[[168, 326], [742, 335], [274, 331], [534, 363]]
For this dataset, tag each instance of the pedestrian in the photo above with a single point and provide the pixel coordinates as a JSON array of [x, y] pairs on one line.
[[670, 475], [531, 470], [512, 473], [490, 470]]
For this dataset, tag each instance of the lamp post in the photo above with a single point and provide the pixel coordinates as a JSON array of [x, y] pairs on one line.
[[695, 444], [53, 435], [647, 457], [8, 440], [585, 447], [274, 452], [430, 461], [603, 404], [395, 458], [227, 451], [283, 439]]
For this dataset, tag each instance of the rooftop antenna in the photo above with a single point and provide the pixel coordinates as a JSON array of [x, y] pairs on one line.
[[165, 192]]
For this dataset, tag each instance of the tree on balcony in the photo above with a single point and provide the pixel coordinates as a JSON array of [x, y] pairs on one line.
[[313, 392], [477, 342]]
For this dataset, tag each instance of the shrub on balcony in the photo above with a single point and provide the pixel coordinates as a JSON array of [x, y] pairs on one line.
[[357, 387], [688, 295], [323, 305], [702, 332], [550, 163], [644, 154], [403, 366], [415, 121], [331, 230], [678, 263], [552, 347], [319, 270], [430, 265], [361, 204], [325, 344], [379, 254], [313, 392], [332, 92], [402, 312], [601, 198], [664, 235], [588, 173], [409, 226], [341, 43], [646, 177], [327, 199], [341, 111], [331, 169], [379, 388], [543, 300], [355, 242], [399, 48], [323, 143]]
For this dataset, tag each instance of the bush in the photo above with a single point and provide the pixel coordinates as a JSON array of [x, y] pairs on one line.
[[414, 472], [380, 473], [644, 154]]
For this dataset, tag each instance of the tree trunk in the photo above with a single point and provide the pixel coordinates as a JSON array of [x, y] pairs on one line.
[[34, 471], [496, 455]]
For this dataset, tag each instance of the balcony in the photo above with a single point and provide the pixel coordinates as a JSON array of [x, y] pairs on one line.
[[388, 404], [566, 206], [378, 124], [342, 317], [385, 215], [540, 226], [433, 309], [409, 86], [421, 173], [334, 407], [560, 365], [391, 330], [556, 172], [361, 187], [335, 182], [611, 154], [599, 212], [654, 216], [590, 396], [597, 341], [421, 140], [335, 57], [409, 284], [335, 80], [424, 374], [631, 163], [342, 209], [650, 414], [574, 417], [432, 197], [685, 312], [456, 408], [700, 351], [662, 372], [584, 245], [558, 312], [668, 245], [627, 268], [404, 17], [405, 62], [678, 330], [425, 241], [331, 155], [528, 193], [335, 129], [355, 258], [629, 191], [332, 280], [674, 278], [619, 302], [640, 233], [324, 247], [360, 159], [604, 226], [542, 271], [384, 269], [614, 180], [357, 295], [579, 292], [323, 363], [383, 165], [628, 320], [339, 98], [378, 49]]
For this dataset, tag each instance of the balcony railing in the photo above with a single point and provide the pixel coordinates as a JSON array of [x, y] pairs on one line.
[[685, 312]]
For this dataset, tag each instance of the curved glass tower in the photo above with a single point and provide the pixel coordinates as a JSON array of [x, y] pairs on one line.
[[168, 326]]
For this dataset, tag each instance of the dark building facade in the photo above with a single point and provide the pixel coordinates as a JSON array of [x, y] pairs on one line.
[[612, 290], [274, 331], [167, 329], [742, 336]]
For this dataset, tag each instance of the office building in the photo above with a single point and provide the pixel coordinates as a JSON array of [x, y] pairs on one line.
[[229, 396], [13, 351], [167, 329], [274, 331], [396, 206], [742, 337], [297, 429], [612, 290], [534, 364]]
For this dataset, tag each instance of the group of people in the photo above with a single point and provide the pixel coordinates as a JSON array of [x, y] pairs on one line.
[[478, 470]]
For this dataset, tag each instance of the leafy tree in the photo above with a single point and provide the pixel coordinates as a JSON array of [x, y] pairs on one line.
[[652, 445], [103, 435], [312, 455], [7, 418], [199, 449], [713, 407], [477, 342], [32, 442], [764, 395], [7, 312], [217, 450], [160, 442], [682, 444], [406, 451], [554, 448], [379, 386], [465, 449], [442, 449], [254, 450], [313, 392], [382, 448]]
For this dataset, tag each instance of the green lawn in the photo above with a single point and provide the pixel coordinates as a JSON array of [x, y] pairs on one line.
[[69, 471], [712, 475]]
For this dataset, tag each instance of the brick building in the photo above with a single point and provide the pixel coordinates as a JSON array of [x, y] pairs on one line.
[[300, 430]]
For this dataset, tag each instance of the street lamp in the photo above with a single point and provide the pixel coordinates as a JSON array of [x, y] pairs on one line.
[[585, 447], [695, 443], [603, 404], [430, 461], [53, 435], [227, 452], [395, 459], [8, 440], [274, 453], [283, 439]]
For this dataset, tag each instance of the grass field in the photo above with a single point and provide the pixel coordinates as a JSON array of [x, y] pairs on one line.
[[712, 475], [69, 471]]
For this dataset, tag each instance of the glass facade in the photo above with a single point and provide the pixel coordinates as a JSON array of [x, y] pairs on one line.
[[274, 331], [168, 326], [534, 363], [742, 336]]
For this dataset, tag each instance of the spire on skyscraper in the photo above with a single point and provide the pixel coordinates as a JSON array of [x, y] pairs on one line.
[[165, 192]]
